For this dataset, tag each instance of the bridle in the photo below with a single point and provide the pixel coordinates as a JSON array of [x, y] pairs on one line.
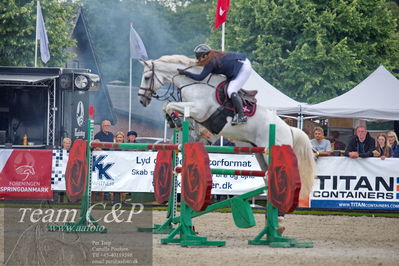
[[150, 92]]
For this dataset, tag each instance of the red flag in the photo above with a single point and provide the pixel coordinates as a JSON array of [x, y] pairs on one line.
[[222, 8]]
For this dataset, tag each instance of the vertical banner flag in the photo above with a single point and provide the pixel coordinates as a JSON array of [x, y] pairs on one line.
[[222, 8], [137, 48], [41, 35]]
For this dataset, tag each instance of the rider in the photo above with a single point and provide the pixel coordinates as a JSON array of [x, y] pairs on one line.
[[235, 66]]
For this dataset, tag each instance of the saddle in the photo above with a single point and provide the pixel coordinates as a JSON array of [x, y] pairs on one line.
[[247, 97], [217, 120]]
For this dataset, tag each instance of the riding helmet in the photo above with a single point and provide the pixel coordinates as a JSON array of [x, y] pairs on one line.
[[201, 50]]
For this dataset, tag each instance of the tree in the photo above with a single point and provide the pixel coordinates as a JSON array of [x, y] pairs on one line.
[[18, 31], [190, 25], [314, 50]]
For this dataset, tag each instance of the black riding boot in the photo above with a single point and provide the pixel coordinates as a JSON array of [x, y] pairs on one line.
[[239, 117]]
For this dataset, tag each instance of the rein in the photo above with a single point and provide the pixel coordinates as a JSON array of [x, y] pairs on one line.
[[169, 94]]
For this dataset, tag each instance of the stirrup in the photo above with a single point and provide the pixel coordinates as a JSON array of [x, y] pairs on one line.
[[238, 120]]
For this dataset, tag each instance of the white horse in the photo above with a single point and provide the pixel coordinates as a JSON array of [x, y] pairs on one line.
[[200, 97]]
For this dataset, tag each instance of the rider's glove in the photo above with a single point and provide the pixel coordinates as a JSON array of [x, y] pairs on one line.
[[181, 71]]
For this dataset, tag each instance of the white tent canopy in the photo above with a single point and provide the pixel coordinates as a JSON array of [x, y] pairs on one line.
[[376, 97], [270, 97]]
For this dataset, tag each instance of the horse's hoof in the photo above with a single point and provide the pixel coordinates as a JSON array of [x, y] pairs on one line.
[[281, 229], [176, 120], [171, 124], [178, 123], [170, 121]]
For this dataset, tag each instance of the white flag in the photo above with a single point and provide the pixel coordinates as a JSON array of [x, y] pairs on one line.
[[41, 35], [137, 48]]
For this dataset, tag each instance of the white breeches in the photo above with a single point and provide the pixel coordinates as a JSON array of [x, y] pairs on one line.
[[243, 75]]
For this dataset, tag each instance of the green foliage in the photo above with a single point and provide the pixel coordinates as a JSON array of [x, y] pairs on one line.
[[313, 50], [18, 31], [190, 25]]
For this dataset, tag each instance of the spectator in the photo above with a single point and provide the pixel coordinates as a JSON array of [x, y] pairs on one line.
[[382, 148], [393, 143], [97, 196], [321, 146], [119, 196], [206, 136], [105, 135], [131, 136], [361, 145], [336, 143], [119, 137], [97, 148], [66, 144]]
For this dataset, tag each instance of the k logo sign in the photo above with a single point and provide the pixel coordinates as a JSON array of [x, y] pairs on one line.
[[80, 113], [102, 167]]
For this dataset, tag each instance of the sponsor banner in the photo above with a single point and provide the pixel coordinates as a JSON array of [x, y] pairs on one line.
[[366, 183], [25, 174], [231, 184], [60, 161], [131, 171]]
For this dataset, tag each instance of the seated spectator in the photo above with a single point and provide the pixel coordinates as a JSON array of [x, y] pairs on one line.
[[131, 136], [393, 143], [105, 134], [119, 137], [206, 136], [361, 145], [336, 143], [66, 144], [321, 146], [97, 148], [382, 148]]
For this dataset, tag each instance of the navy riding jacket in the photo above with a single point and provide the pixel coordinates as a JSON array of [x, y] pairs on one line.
[[228, 64]]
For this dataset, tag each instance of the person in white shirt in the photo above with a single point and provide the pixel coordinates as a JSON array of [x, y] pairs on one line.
[[321, 146]]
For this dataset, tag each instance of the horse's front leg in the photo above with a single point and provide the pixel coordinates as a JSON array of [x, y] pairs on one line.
[[171, 107]]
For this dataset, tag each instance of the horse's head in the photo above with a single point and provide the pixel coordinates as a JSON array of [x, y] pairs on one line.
[[158, 72]]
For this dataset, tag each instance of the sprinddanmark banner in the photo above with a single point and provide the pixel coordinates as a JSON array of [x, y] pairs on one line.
[[25, 174]]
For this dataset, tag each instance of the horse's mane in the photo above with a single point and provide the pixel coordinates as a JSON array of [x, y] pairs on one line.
[[178, 59]]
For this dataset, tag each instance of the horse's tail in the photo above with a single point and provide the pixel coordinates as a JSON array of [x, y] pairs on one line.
[[306, 162]]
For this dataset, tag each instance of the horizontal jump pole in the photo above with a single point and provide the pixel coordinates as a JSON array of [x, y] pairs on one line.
[[175, 147], [134, 146], [218, 171]]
